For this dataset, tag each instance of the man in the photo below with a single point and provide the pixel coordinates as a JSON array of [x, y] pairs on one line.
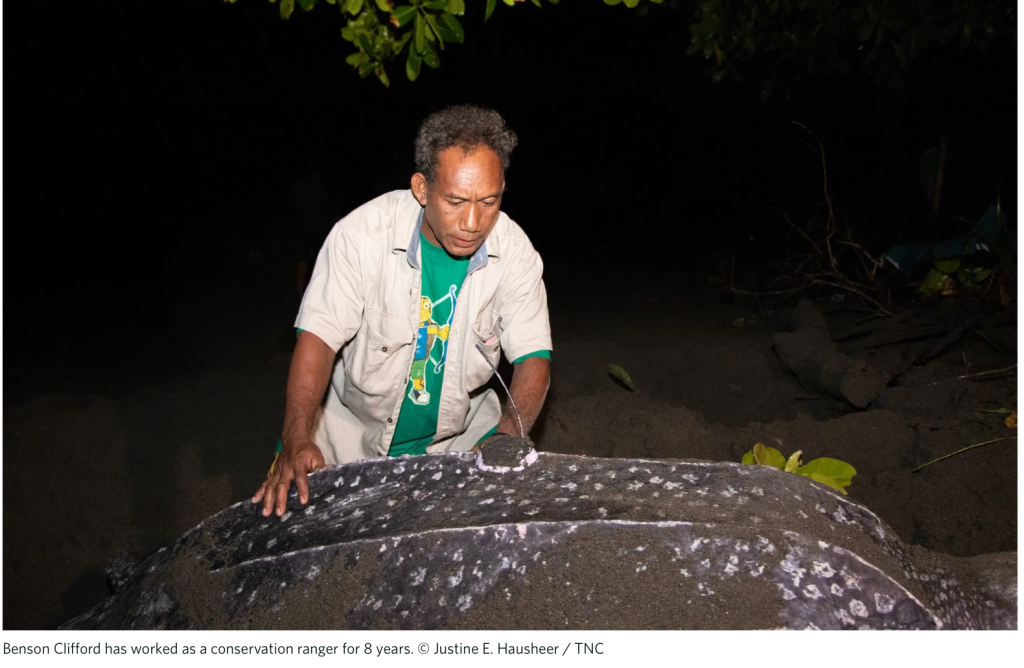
[[406, 287]]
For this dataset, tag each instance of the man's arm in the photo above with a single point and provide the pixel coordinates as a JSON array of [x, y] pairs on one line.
[[530, 381], [308, 376]]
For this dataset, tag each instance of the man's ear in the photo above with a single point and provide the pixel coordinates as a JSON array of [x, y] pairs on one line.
[[419, 188]]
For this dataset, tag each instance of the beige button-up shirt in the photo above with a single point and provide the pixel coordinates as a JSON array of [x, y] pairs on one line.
[[364, 300]]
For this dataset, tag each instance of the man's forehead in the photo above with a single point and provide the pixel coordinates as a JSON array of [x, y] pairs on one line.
[[474, 169]]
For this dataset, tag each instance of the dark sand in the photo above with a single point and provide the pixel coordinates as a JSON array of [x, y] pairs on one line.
[[124, 445]]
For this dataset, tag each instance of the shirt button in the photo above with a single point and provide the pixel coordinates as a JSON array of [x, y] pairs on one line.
[[384, 349], [389, 420]]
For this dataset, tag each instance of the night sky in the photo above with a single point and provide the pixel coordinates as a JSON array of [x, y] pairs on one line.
[[145, 135]]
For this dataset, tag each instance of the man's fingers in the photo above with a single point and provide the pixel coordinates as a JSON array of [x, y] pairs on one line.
[[302, 486], [281, 493], [268, 494]]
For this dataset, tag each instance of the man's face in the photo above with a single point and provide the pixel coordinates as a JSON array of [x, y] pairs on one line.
[[462, 204]]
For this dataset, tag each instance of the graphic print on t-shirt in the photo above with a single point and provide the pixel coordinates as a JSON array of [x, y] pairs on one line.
[[429, 357]]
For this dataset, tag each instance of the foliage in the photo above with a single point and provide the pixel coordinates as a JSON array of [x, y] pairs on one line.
[[620, 374], [944, 276], [832, 472], [784, 40], [802, 38]]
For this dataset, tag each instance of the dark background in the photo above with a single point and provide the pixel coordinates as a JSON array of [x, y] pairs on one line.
[[151, 146], [148, 262]]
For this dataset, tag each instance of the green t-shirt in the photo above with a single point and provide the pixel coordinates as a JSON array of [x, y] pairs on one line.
[[442, 278]]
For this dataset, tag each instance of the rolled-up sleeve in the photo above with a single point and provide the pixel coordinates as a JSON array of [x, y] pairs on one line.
[[523, 310], [332, 307]]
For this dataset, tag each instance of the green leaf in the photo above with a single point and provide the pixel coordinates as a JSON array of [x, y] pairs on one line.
[[793, 463], [435, 4], [620, 373], [631, 3], [382, 75], [421, 34], [365, 43], [509, 2], [982, 275], [768, 456], [936, 283], [356, 59], [456, 7], [432, 22], [451, 29], [827, 466], [748, 458], [348, 34], [828, 480], [287, 7], [430, 56], [948, 266], [353, 7], [412, 65], [490, 9], [612, 3], [403, 15], [307, 4], [537, 2], [385, 6]]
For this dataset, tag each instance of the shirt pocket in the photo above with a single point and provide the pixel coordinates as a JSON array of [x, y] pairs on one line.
[[485, 334], [379, 364]]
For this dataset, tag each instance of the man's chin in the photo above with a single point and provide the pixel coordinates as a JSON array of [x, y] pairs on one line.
[[458, 250]]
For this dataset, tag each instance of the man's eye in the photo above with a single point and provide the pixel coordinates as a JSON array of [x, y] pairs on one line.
[[490, 202], [451, 203]]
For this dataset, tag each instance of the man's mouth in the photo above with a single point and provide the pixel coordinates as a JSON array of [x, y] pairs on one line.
[[463, 243]]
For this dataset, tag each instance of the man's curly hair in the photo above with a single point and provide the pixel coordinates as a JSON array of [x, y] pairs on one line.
[[465, 126]]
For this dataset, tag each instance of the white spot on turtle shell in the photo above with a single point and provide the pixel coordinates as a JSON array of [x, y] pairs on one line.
[[271, 543], [521, 529], [685, 572], [457, 556], [822, 568], [884, 603], [436, 476], [787, 595], [355, 483], [457, 578], [598, 486], [656, 480], [689, 477], [812, 592], [383, 548], [602, 512], [485, 502], [858, 608], [418, 576], [287, 516], [465, 601], [836, 589]]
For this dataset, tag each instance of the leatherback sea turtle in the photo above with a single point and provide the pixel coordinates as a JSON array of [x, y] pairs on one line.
[[570, 542]]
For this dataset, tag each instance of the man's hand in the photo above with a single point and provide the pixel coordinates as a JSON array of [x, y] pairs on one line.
[[295, 465], [307, 381]]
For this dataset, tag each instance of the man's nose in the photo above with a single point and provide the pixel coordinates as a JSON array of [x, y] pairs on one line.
[[471, 223]]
